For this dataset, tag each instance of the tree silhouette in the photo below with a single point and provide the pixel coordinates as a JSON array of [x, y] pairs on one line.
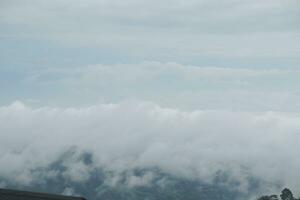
[[286, 194]]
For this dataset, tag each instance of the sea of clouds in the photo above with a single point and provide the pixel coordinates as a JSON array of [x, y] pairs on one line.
[[134, 134]]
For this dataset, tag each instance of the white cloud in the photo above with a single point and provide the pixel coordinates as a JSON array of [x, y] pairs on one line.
[[127, 135], [69, 191], [144, 180], [77, 170], [172, 85]]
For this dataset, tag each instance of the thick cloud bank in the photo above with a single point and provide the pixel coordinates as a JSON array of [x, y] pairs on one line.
[[129, 135]]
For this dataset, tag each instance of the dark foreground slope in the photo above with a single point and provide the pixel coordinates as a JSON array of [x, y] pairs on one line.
[[6, 194]]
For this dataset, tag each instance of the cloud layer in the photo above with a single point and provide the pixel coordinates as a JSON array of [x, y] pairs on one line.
[[130, 135], [181, 31], [169, 84]]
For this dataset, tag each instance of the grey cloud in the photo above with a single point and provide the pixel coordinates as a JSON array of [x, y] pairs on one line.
[[171, 29], [203, 15]]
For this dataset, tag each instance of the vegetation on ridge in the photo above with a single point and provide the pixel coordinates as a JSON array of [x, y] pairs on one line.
[[286, 194]]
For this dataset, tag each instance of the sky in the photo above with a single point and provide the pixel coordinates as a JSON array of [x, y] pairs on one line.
[[204, 84], [50, 51]]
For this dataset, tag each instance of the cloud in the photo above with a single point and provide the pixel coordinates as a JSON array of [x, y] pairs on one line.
[[210, 16], [171, 29], [191, 121], [129, 135], [169, 84]]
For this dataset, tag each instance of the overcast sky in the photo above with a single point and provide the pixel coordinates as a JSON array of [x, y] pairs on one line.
[[55, 52], [189, 74]]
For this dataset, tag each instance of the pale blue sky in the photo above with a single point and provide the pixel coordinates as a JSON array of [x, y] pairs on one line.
[[47, 44]]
